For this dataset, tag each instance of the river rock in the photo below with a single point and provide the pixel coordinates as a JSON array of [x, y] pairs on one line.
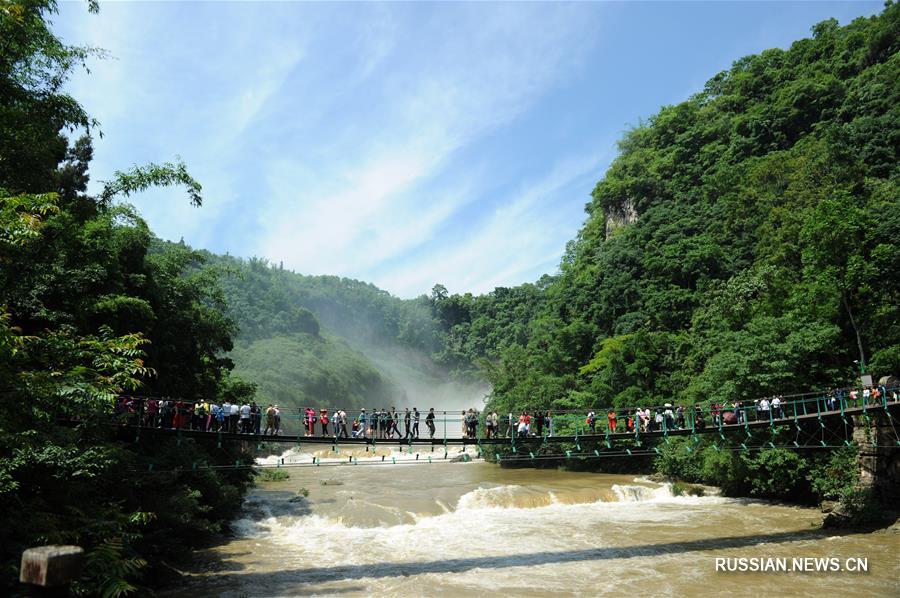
[[828, 506]]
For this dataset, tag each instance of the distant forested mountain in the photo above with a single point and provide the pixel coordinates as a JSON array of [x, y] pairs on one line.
[[336, 342]]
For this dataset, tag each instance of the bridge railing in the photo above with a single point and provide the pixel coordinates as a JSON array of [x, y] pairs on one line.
[[173, 414]]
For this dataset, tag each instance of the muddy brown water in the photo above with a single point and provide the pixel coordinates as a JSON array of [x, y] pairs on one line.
[[464, 529]]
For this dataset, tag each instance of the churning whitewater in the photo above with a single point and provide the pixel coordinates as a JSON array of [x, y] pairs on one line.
[[454, 528]]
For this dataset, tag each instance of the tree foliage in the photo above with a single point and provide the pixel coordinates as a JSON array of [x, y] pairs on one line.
[[743, 243], [87, 312]]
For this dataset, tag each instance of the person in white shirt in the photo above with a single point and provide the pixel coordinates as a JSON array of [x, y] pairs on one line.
[[233, 421], [245, 418], [763, 409]]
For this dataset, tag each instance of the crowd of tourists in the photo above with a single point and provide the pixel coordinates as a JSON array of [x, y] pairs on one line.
[[378, 423], [249, 418], [668, 417], [204, 416]]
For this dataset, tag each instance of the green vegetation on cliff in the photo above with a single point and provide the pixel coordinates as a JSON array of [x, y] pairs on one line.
[[745, 242], [336, 342]]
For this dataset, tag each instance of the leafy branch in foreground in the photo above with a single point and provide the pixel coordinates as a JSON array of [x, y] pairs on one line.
[[141, 178]]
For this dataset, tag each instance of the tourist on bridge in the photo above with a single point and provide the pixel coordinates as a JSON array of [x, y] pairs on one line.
[[255, 418], [199, 417], [342, 422], [389, 423], [679, 416], [211, 417], [151, 413], [166, 407], [361, 424], [629, 422], [611, 419], [762, 409], [323, 419], [699, 424], [415, 429], [336, 422], [591, 421], [471, 424], [548, 423], [245, 418], [669, 417], [839, 395], [219, 412], [407, 423], [538, 424], [373, 423], [395, 422], [429, 421], [270, 421], [343, 419], [277, 420], [310, 421], [235, 416], [524, 424], [488, 426], [730, 417], [776, 407], [180, 415], [382, 422]]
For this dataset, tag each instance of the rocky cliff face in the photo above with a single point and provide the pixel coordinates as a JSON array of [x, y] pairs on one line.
[[619, 215]]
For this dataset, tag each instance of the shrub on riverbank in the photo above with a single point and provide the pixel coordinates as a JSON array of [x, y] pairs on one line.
[[272, 475], [780, 474]]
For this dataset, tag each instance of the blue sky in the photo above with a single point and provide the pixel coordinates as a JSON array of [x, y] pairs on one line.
[[405, 144]]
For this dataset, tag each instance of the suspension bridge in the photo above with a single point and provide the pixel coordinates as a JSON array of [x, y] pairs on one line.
[[795, 414], [815, 421]]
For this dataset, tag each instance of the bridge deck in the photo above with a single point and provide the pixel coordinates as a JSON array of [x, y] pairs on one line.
[[532, 440]]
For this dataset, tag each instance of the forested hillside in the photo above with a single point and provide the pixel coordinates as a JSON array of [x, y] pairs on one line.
[[87, 313], [744, 242], [336, 342]]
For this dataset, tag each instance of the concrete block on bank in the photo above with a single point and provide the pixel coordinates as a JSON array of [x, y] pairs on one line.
[[49, 566]]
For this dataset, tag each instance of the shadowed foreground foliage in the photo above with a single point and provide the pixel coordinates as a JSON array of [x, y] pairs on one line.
[[86, 313]]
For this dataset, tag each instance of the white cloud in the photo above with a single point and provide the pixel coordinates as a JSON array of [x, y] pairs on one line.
[[525, 235], [349, 138], [384, 200]]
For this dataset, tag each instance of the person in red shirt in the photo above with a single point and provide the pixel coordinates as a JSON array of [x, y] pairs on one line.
[[323, 419]]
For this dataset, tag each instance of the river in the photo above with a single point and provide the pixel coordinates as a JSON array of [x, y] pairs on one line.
[[455, 529]]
